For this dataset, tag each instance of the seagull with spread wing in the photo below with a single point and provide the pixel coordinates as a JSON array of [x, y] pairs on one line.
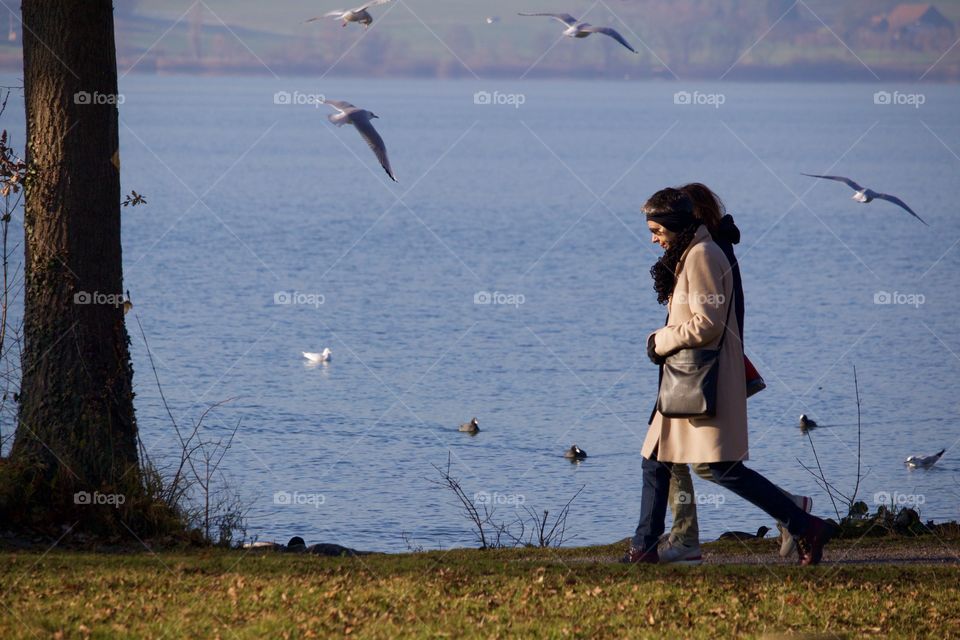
[[359, 15], [360, 119], [865, 195], [577, 29]]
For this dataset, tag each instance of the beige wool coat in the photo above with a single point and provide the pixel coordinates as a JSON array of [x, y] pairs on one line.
[[697, 312]]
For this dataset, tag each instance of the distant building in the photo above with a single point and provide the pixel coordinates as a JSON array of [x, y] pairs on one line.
[[915, 26]]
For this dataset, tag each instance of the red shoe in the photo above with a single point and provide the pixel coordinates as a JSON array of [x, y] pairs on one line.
[[636, 556], [810, 546]]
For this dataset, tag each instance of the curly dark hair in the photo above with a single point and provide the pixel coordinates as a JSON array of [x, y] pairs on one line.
[[664, 270]]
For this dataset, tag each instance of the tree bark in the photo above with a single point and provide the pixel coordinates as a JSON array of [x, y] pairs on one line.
[[77, 428]]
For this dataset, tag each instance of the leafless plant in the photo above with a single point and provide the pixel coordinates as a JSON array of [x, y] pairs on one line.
[[480, 517], [197, 487], [552, 537], [832, 491], [407, 538], [496, 534], [13, 174]]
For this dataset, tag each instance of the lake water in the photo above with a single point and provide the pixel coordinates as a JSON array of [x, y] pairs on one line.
[[539, 203]]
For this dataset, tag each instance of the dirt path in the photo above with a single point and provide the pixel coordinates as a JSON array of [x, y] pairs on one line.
[[913, 552]]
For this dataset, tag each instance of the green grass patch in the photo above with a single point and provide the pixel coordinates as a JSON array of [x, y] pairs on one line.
[[463, 593]]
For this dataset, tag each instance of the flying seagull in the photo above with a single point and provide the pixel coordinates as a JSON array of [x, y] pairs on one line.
[[865, 195], [315, 358], [360, 14], [360, 118], [577, 29], [924, 462]]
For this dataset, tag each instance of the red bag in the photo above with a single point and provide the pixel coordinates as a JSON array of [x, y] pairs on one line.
[[755, 383]]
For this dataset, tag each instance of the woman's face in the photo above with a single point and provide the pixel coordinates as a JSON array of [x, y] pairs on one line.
[[661, 235]]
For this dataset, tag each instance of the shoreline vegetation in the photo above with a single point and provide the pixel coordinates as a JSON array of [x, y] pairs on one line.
[[880, 587]]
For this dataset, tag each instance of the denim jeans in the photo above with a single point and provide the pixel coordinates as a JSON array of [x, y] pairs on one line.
[[683, 505], [734, 476]]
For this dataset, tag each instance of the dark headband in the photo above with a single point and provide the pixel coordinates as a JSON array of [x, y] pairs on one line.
[[675, 221]]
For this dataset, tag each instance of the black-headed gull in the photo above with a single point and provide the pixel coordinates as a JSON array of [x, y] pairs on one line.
[[360, 119], [575, 453], [323, 356], [359, 15], [866, 195], [470, 427], [577, 29], [923, 462]]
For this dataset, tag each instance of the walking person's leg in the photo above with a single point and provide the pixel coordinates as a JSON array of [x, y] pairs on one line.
[[683, 506], [787, 543], [682, 546], [653, 512], [810, 532]]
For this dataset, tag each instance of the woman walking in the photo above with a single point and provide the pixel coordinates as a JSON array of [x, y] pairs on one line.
[[682, 545], [693, 278]]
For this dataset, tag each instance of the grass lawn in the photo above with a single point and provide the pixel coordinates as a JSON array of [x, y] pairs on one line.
[[518, 592]]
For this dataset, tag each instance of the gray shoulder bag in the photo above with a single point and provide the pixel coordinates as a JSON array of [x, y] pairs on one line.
[[688, 387]]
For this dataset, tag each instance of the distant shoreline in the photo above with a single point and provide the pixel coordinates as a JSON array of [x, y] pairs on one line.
[[812, 72]]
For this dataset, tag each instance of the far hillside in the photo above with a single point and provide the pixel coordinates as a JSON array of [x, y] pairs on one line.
[[733, 39]]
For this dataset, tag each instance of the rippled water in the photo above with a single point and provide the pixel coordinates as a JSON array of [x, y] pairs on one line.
[[248, 198]]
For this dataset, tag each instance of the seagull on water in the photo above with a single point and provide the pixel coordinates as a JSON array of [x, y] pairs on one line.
[[316, 358], [577, 29], [865, 195], [923, 462], [360, 118], [359, 15]]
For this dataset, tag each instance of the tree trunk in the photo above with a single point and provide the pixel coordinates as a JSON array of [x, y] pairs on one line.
[[77, 430]]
